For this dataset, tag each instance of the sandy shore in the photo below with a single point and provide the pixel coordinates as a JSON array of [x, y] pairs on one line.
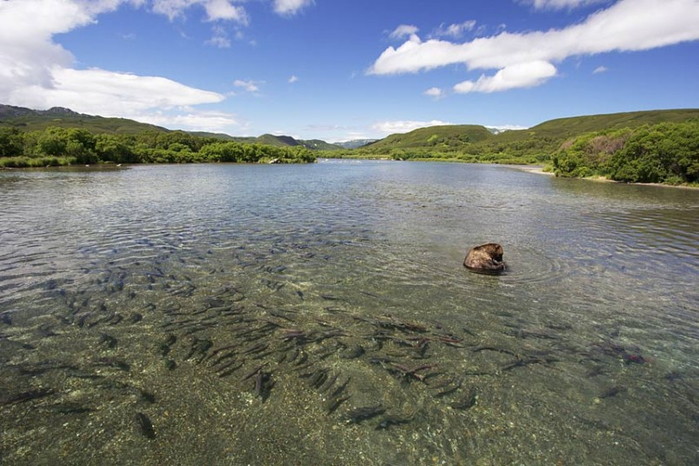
[[531, 169]]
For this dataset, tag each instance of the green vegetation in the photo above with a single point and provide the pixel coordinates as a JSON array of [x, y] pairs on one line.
[[434, 138], [663, 153], [653, 146], [660, 146], [28, 120], [56, 146]]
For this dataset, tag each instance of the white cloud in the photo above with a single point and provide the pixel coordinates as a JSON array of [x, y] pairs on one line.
[[600, 69], [501, 128], [225, 10], [191, 120], [434, 92], [404, 30], [293, 79], [107, 93], [391, 127], [220, 38], [36, 72], [290, 7], [26, 50], [454, 30], [248, 85], [628, 25], [521, 75], [560, 4], [215, 9]]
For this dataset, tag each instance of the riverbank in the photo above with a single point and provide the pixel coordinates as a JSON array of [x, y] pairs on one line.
[[539, 170]]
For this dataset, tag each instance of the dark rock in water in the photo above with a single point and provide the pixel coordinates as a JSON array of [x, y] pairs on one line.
[[486, 258]]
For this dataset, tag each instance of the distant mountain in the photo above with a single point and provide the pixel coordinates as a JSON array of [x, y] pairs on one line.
[[205, 134], [36, 120], [355, 143], [317, 144]]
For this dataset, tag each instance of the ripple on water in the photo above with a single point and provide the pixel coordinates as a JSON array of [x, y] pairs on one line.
[[322, 314]]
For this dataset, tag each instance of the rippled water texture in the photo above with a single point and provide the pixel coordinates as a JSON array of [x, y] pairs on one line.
[[320, 314]]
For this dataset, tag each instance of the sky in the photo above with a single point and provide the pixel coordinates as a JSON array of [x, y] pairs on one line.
[[340, 70]]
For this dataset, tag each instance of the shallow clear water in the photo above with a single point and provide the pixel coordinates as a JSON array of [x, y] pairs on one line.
[[235, 314]]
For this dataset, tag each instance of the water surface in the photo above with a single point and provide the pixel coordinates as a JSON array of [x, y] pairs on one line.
[[245, 314]]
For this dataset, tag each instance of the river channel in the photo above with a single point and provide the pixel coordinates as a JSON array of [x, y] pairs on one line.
[[321, 314]]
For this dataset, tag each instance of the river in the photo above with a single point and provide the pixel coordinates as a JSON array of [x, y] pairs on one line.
[[321, 314]]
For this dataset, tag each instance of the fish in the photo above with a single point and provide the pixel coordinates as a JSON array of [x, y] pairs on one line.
[[390, 421], [335, 403], [145, 426], [29, 395], [357, 415], [108, 340], [613, 391]]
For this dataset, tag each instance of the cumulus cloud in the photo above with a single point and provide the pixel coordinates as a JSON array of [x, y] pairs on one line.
[[95, 90], [248, 85], [628, 25], [293, 79], [404, 30], [521, 75], [404, 126], [501, 128], [454, 30], [560, 4], [215, 9], [38, 73], [434, 92], [219, 38], [191, 120], [290, 7], [225, 10]]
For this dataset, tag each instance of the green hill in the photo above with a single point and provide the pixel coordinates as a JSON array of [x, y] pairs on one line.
[[436, 137], [26, 119], [317, 144], [38, 120], [565, 128], [474, 143], [288, 141]]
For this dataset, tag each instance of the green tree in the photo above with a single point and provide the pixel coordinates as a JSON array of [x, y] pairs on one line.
[[11, 142]]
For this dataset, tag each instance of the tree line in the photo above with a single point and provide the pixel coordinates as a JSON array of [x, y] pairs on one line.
[[66, 146], [663, 153]]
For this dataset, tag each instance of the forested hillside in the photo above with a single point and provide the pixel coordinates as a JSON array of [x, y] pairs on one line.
[[60, 146]]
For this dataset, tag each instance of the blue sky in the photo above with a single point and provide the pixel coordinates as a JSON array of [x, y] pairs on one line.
[[348, 69]]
